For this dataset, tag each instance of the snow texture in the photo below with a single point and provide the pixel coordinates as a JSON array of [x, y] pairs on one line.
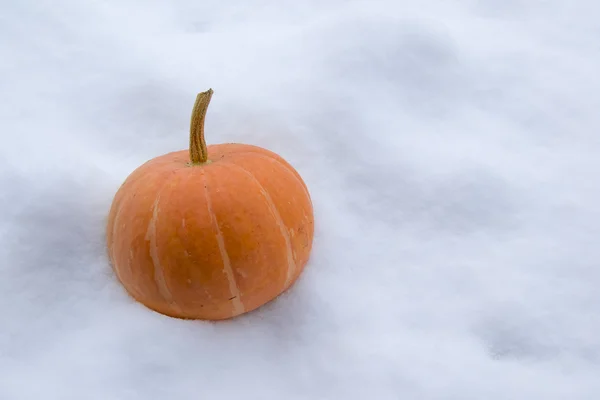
[[451, 149]]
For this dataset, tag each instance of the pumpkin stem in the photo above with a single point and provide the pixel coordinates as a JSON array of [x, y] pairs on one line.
[[198, 150]]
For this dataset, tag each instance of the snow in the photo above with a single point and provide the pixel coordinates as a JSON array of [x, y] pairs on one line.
[[451, 151]]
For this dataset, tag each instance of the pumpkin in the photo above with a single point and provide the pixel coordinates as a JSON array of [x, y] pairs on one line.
[[211, 232]]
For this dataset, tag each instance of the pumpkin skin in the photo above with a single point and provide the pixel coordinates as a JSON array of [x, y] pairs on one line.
[[212, 240]]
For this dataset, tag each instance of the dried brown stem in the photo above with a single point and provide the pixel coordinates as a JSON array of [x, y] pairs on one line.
[[198, 150]]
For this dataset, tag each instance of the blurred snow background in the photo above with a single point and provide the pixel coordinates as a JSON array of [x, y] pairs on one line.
[[451, 149]]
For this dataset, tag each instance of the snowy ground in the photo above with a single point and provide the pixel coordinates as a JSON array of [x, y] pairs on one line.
[[451, 149]]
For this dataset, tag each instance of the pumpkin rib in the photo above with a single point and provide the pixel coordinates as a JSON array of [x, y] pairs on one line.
[[170, 269], [245, 149], [131, 186], [158, 269], [189, 252], [273, 157], [236, 300], [113, 234], [278, 220]]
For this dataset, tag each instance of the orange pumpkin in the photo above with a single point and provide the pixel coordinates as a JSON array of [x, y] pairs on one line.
[[211, 232]]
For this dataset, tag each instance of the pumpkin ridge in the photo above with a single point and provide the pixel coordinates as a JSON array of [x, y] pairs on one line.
[[236, 300], [278, 161], [113, 235], [158, 269], [120, 199], [278, 220], [114, 222]]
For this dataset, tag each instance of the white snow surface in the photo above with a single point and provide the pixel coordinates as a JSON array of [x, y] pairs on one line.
[[451, 149]]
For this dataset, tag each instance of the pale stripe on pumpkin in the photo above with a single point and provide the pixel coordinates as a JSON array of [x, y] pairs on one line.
[[236, 301], [112, 244], [159, 276], [287, 168], [279, 221]]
